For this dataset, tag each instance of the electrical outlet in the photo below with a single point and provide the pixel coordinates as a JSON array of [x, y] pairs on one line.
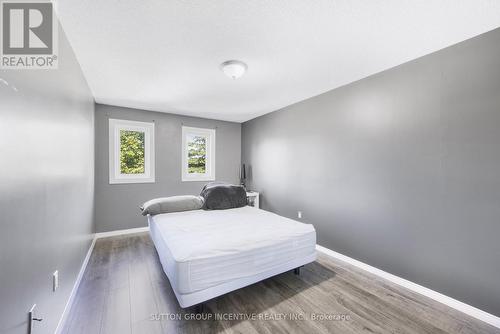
[[299, 214], [55, 280]]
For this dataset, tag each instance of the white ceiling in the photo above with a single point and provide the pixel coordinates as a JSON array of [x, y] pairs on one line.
[[164, 55]]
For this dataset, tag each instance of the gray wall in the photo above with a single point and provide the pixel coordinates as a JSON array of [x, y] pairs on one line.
[[400, 170], [46, 188], [117, 205]]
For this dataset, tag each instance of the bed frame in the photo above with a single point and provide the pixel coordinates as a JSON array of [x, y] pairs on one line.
[[200, 307], [198, 297], [194, 298]]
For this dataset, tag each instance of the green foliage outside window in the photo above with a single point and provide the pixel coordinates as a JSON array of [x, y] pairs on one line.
[[132, 147], [197, 152]]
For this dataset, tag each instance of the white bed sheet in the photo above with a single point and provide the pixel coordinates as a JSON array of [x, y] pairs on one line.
[[200, 250]]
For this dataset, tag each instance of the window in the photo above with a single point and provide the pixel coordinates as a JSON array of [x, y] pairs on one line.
[[131, 152], [198, 154]]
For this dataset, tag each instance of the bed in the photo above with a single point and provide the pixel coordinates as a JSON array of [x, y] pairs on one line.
[[207, 253]]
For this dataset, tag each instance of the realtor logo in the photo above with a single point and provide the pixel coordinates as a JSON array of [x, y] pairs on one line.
[[29, 35]]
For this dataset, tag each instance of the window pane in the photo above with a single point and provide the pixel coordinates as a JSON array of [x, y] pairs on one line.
[[197, 152], [132, 146]]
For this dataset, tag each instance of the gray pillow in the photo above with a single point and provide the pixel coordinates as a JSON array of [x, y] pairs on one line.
[[172, 204], [221, 196]]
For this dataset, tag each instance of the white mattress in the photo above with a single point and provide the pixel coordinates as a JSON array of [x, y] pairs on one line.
[[202, 249]]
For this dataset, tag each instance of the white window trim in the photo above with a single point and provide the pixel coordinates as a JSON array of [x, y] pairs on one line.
[[210, 158], [115, 177]]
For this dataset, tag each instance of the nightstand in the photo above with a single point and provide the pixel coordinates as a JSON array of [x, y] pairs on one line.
[[253, 199]]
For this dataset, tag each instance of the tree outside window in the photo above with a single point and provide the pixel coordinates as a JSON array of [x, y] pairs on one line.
[[197, 153], [131, 151], [132, 146]]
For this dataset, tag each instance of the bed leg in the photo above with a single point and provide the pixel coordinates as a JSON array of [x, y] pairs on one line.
[[296, 271]]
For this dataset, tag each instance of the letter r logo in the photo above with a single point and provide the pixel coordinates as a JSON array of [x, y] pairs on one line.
[[27, 28]]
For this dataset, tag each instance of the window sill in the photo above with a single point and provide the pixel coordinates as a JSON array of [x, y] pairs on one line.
[[197, 179], [125, 181]]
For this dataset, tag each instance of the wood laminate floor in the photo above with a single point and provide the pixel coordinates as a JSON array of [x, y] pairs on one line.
[[124, 290]]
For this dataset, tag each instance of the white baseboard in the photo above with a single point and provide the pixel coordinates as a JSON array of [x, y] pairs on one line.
[[121, 232], [458, 305], [71, 298]]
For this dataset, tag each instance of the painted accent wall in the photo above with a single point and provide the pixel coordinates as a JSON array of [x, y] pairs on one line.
[[400, 170], [46, 189], [117, 205]]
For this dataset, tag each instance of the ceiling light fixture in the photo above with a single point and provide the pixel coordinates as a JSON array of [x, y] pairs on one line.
[[233, 68]]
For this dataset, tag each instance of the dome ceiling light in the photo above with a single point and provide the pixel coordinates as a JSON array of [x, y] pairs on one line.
[[233, 68]]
